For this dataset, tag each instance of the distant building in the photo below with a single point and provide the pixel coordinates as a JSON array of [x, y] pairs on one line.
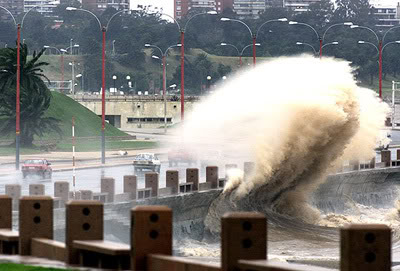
[[249, 8], [99, 6], [387, 14], [14, 6], [299, 5], [182, 7], [44, 7]]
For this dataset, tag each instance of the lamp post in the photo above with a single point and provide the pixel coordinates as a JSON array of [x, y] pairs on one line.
[[253, 36], [18, 77], [72, 48], [113, 47], [128, 79], [80, 76], [379, 50], [208, 82], [239, 53], [315, 52], [103, 92], [164, 55], [182, 34], [61, 52]]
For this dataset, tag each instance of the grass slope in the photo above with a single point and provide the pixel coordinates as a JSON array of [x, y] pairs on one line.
[[87, 123], [20, 267]]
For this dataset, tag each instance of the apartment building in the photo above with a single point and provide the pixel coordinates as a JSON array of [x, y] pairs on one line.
[[45, 7], [386, 12], [98, 6], [182, 7], [299, 5], [249, 8]]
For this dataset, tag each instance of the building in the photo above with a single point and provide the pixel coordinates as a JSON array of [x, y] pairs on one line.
[[182, 7], [44, 7], [387, 13], [14, 6], [249, 8], [299, 5], [98, 6]]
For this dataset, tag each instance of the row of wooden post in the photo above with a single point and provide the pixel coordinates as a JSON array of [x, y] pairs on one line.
[[243, 239]]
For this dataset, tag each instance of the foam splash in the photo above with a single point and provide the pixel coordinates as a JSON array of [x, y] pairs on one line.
[[298, 118]]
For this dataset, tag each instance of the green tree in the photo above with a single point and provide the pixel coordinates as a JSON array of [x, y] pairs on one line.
[[35, 97]]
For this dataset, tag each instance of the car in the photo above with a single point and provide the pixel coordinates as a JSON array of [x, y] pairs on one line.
[[176, 156], [39, 167], [146, 162]]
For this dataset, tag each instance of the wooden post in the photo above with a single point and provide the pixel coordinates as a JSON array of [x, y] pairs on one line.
[[192, 176], [151, 181], [108, 186], [14, 191], [248, 170], [86, 195], [83, 221], [151, 233], [172, 180], [365, 248], [130, 185], [212, 176], [386, 157], [35, 220], [5, 212], [244, 237]]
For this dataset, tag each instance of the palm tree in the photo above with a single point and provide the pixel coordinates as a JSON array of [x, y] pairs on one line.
[[35, 97]]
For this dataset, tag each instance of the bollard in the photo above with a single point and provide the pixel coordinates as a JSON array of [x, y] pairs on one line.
[[212, 176], [244, 237], [228, 167], [61, 190], [365, 248], [248, 170], [398, 154], [151, 233], [36, 190], [108, 186], [192, 176], [14, 191], [386, 157], [86, 195], [130, 185], [84, 221], [5, 212], [172, 180], [151, 181], [35, 221]]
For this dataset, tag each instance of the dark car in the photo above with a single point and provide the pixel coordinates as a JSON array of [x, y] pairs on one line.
[[40, 167]]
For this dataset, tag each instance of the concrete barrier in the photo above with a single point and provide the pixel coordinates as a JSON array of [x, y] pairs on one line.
[[130, 185], [36, 190], [172, 180], [151, 181], [212, 176], [192, 176], [108, 187]]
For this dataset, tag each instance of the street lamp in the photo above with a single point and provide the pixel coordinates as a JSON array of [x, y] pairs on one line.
[[379, 48], [128, 78], [61, 52], [103, 93], [182, 32], [380, 53], [254, 36], [82, 85], [208, 82], [315, 52], [163, 54], [18, 78], [113, 47], [240, 54], [72, 47]]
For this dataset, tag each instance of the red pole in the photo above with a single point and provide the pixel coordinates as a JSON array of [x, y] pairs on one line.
[[103, 98], [73, 152], [163, 76], [380, 69], [182, 75], [254, 50], [62, 67], [240, 61], [320, 48], [165, 91], [17, 118]]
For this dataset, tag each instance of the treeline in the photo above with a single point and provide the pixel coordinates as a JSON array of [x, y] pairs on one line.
[[132, 31]]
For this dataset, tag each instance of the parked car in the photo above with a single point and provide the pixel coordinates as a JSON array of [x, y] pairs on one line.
[[176, 156], [146, 162], [39, 167]]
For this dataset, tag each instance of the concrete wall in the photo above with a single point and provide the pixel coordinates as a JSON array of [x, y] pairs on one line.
[[132, 108]]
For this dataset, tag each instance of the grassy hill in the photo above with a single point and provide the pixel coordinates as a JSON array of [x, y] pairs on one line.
[[87, 123]]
